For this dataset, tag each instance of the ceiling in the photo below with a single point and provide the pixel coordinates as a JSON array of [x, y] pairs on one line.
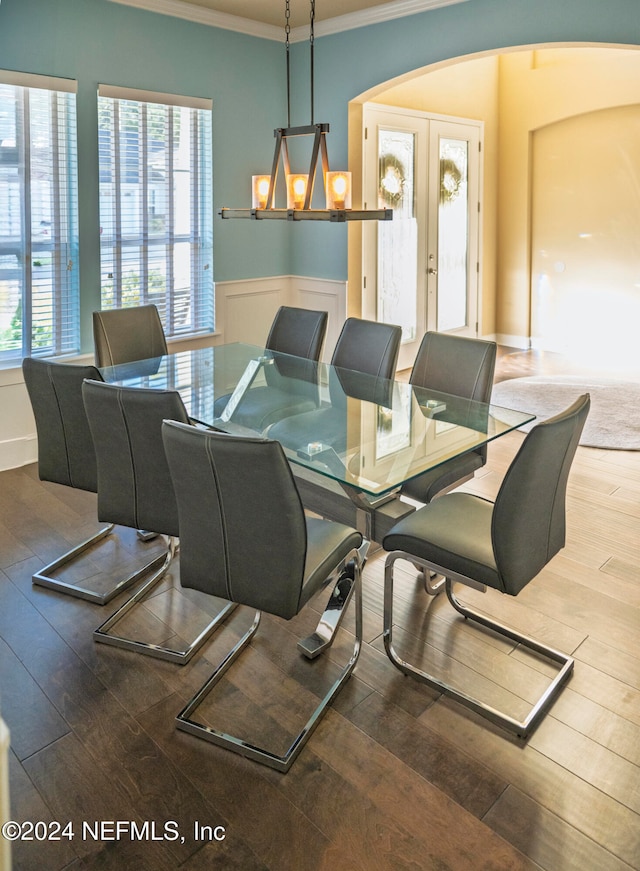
[[273, 11], [266, 18]]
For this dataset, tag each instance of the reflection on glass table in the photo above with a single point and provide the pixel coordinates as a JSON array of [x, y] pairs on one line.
[[361, 439], [368, 434]]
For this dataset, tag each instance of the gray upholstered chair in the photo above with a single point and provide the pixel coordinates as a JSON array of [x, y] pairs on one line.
[[463, 367], [291, 383], [135, 489], [244, 536], [298, 331], [66, 456], [363, 362], [459, 366], [502, 545], [123, 335], [368, 346], [364, 347]]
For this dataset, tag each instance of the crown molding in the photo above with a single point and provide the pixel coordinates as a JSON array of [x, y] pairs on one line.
[[372, 15], [349, 21], [200, 15]]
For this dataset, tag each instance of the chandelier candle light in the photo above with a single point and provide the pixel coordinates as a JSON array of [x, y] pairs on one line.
[[299, 186]]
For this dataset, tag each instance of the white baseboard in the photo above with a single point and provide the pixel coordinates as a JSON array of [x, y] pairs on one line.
[[511, 341]]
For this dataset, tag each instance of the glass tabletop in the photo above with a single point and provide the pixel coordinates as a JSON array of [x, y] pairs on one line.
[[364, 432]]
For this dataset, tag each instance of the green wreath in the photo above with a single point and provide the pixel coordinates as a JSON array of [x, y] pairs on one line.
[[392, 180], [450, 180]]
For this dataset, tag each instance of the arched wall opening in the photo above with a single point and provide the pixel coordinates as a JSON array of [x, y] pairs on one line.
[[518, 93]]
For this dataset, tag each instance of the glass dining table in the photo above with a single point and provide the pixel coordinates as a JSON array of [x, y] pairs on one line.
[[352, 439]]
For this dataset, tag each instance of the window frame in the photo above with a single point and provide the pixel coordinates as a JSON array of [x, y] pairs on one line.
[[58, 288], [115, 244]]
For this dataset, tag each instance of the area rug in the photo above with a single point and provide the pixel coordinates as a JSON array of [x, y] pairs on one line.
[[614, 417]]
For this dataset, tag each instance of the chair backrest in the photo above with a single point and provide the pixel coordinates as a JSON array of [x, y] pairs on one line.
[[298, 331], [242, 528], [65, 448], [125, 334], [460, 366], [134, 484], [528, 523], [455, 364], [369, 347]]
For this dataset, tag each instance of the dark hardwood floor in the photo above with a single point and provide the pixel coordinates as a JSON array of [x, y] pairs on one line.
[[395, 777]]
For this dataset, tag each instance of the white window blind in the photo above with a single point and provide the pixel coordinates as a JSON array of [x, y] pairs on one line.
[[156, 209], [39, 297]]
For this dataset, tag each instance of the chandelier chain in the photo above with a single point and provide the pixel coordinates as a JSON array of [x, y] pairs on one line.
[[287, 31], [311, 42], [338, 184]]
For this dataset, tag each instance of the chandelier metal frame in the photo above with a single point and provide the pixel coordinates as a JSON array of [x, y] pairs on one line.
[[318, 152]]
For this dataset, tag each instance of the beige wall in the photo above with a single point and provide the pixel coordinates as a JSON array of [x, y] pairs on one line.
[[585, 238], [537, 88], [514, 93]]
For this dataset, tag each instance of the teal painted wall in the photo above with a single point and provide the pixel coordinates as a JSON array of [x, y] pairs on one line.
[[350, 63], [96, 41]]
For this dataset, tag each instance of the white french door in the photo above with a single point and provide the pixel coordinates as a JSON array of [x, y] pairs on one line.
[[421, 270]]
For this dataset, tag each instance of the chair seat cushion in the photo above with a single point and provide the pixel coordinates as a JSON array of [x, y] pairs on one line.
[[453, 532], [425, 487], [328, 543]]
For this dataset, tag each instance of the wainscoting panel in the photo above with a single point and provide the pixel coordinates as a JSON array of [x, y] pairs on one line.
[[18, 444], [322, 295], [245, 309]]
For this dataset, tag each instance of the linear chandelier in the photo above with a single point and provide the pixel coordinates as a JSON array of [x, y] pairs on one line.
[[300, 186]]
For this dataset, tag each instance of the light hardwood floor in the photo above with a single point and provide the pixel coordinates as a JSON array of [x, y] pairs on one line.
[[396, 776]]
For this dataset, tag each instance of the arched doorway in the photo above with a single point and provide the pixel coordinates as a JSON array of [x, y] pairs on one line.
[[513, 93]]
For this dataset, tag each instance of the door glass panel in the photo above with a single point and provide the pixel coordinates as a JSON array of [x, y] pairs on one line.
[[397, 239], [453, 235]]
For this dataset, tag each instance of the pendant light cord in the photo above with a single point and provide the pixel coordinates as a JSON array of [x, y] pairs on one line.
[[311, 41], [287, 31]]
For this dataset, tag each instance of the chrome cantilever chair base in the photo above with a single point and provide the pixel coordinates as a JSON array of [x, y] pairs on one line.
[[326, 630], [185, 723], [43, 577], [102, 636], [434, 584], [522, 728]]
